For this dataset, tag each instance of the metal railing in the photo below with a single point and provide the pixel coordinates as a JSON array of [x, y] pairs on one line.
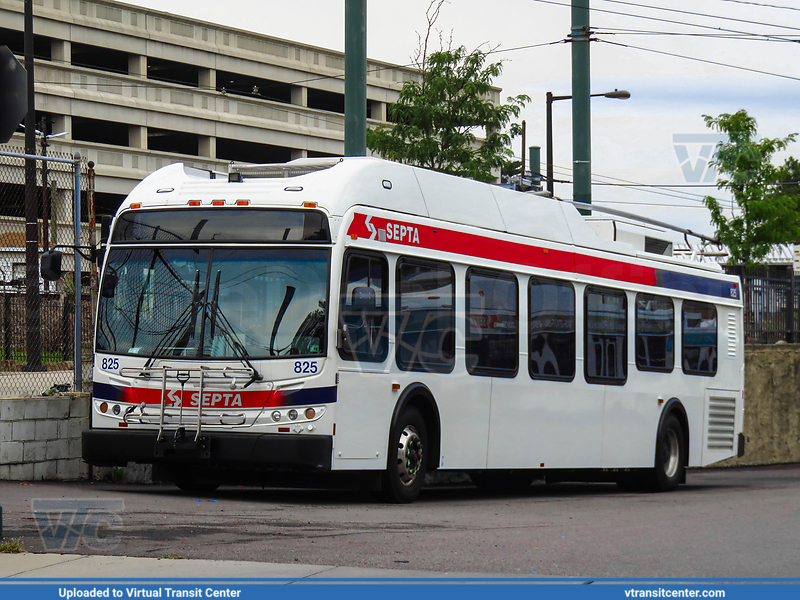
[[771, 303]]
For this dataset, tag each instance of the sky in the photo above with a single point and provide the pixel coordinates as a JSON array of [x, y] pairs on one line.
[[664, 58]]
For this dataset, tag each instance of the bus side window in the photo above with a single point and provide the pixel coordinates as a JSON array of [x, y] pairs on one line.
[[492, 342], [551, 326], [605, 344], [655, 333], [699, 335], [425, 316], [364, 307]]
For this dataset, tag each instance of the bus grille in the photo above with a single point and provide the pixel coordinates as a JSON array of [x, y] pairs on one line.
[[721, 423]]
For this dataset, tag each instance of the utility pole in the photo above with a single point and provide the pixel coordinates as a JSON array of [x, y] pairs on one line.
[[33, 313], [355, 78], [581, 108]]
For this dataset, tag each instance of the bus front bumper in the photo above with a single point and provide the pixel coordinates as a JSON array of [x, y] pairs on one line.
[[109, 447]]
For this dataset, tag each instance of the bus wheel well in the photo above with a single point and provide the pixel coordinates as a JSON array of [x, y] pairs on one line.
[[418, 395]]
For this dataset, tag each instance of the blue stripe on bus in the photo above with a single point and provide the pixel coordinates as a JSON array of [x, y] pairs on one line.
[[696, 284], [104, 391], [310, 396]]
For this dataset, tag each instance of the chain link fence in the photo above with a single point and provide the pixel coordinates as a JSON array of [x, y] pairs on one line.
[[37, 317]]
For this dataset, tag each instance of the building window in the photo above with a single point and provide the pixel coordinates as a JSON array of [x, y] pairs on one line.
[[492, 342], [551, 344]]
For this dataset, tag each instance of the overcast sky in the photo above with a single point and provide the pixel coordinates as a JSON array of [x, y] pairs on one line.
[[642, 140]]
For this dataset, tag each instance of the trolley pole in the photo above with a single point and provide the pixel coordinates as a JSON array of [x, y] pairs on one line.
[[581, 110], [355, 78]]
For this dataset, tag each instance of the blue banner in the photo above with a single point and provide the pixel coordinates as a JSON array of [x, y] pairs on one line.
[[422, 589]]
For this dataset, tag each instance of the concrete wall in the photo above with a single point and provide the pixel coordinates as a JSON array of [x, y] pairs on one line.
[[771, 405], [40, 438]]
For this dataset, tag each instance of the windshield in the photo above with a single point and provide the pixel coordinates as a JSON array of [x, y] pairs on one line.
[[214, 302]]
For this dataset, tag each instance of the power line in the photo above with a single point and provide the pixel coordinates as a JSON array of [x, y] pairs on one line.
[[702, 60], [659, 19], [723, 36], [685, 196], [696, 14], [759, 4], [265, 86]]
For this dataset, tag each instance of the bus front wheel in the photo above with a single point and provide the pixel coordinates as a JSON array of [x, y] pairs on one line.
[[406, 468], [670, 460]]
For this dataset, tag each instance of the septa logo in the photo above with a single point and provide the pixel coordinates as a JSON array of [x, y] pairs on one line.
[[384, 230], [210, 399]]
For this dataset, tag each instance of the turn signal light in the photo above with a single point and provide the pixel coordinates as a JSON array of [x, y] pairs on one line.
[[310, 413]]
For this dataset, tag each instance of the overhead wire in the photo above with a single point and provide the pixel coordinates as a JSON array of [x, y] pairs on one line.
[[702, 60], [660, 190], [696, 14], [658, 19], [761, 4], [717, 36]]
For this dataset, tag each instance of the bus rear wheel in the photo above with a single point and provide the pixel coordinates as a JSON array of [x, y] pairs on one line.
[[406, 468], [670, 459]]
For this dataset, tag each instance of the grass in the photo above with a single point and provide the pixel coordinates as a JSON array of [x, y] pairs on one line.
[[12, 546], [48, 356], [174, 557]]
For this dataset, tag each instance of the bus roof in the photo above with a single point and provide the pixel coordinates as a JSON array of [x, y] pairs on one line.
[[337, 185]]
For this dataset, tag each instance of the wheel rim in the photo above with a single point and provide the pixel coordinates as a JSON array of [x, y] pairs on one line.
[[409, 455], [671, 453]]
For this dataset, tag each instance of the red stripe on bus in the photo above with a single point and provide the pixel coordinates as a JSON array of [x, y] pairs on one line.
[[446, 240]]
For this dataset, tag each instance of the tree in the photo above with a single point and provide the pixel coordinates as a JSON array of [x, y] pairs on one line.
[[789, 180], [766, 214], [439, 117]]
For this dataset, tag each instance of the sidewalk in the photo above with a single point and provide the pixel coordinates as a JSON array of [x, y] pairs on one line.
[[99, 567]]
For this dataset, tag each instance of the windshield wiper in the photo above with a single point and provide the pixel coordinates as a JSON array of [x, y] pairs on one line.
[[188, 335], [220, 321], [287, 298]]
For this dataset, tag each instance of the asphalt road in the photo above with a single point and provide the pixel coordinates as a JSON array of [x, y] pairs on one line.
[[723, 523]]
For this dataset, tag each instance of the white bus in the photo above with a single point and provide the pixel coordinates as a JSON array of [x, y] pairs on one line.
[[365, 319]]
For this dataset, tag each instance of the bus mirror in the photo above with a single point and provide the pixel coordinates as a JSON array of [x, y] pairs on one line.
[[105, 228], [110, 281], [341, 339], [99, 253], [51, 265]]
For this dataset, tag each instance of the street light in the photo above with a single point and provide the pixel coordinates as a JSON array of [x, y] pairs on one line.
[[617, 94]]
